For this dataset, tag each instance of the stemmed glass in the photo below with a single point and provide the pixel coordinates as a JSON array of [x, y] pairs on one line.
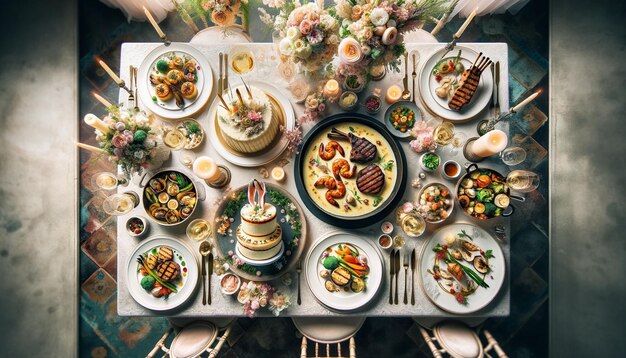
[[443, 134], [523, 181], [186, 158], [120, 204], [458, 141], [174, 138], [513, 156], [107, 180], [241, 60]]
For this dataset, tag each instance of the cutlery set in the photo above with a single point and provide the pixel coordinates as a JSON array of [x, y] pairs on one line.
[[406, 94], [408, 261], [222, 82]]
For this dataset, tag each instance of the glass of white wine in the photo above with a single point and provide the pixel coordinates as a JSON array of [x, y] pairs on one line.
[[120, 204], [413, 225], [199, 230], [241, 60], [174, 139], [443, 134], [523, 181]]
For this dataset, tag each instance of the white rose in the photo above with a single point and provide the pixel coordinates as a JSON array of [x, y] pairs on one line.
[[379, 17], [366, 50], [293, 33], [350, 50], [304, 51], [286, 47]]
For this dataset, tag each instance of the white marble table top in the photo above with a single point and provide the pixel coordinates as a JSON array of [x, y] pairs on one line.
[[266, 68]]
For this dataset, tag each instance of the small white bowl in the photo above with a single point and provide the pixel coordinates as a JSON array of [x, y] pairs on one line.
[[383, 236], [454, 163], [143, 221], [238, 280], [386, 227], [421, 162]]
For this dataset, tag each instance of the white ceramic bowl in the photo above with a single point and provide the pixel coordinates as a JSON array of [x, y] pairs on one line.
[[143, 221], [421, 162], [237, 278]]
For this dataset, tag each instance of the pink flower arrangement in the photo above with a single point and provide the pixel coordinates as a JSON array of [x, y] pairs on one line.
[[223, 13], [255, 116], [423, 134], [256, 295]]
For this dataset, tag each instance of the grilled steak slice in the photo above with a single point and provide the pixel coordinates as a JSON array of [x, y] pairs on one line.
[[370, 180], [165, 253], [469, 83], [362, 151], [168, 271]]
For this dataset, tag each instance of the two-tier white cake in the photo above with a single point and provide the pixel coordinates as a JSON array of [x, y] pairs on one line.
[[259, 237]]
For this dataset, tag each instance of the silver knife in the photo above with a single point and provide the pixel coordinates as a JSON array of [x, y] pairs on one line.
[[413, 262], [397, 269], [210, 274], [496, 100], [392, 269], [135, 70], [220, 86]]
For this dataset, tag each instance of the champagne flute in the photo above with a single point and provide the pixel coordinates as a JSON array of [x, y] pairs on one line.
[[523, 181], [513, 156]]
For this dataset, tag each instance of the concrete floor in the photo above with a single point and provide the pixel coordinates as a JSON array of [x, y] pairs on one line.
[[38, 243]]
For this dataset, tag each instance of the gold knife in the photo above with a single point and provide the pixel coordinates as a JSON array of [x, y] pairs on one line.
[[210, 274], [392, 258], [135, 70], [220, 85], [496, 100]]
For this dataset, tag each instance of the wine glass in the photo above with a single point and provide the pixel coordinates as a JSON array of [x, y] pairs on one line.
[[513, 156], [107, 180], [413, 224], [241, 60], [458, 141], [443, 134], [523, 181], [120, 204], [198, 230], [174, 138]]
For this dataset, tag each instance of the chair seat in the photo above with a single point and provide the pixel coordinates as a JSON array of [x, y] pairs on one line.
[[215, 34], [193, 340], [328, 329], [419, 36], [458, 340]]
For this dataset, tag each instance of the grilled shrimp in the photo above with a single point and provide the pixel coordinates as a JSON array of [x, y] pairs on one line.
[[341, 167], [326, 181], [328, 152], [337, 193]]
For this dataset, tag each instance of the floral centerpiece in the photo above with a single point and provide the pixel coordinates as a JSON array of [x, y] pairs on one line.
[[132, 141], [371, 31], [222, 13], [306, 34], [256, 295], [424, 140]]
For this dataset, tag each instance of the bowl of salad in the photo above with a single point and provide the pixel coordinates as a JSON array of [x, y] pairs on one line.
[[401, 117], [484, 194], [435, 203], [430, 161]]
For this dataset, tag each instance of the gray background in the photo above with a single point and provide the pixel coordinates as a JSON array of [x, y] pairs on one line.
[[38, 245]]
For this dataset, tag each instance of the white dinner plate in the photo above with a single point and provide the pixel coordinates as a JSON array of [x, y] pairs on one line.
[[439, 106], [482, 296], [143, 297], [168, 110], [253, 159], [343, 301]]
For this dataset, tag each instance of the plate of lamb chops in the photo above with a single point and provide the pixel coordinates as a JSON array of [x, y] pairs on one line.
[[351, 171], [457, 86]]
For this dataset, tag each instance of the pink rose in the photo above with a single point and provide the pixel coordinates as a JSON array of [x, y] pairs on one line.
[[305, 27], [254, 305], [119, 141], [407, 207]]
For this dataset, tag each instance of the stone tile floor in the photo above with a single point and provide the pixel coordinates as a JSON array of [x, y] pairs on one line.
[[523, 334]]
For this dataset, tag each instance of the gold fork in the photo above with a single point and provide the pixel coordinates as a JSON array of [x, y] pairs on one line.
[[405, 264], [299, 271], [131, 96]]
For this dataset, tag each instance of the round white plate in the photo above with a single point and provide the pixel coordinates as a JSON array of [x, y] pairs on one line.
[[439, 106], [482, 296], [343, 301], [261, 262], [168, 110], [144, 297], [252, 160]]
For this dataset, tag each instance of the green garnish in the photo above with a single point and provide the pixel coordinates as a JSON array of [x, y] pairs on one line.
[[430, 161], [142, 262], [377, 200], [388, 166], [464, 234], [192, 127]]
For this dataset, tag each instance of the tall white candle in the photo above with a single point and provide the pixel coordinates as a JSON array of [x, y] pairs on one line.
[[102, 100], [108, 70], [206, 168], [89, 148], [490, 143], [96, 123], [466, 23], [525, 102], [154, 23]]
